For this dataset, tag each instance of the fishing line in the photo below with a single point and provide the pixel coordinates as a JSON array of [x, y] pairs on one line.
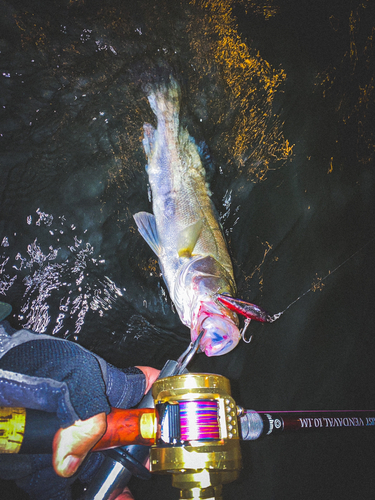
[[199, 420], [320, 280]]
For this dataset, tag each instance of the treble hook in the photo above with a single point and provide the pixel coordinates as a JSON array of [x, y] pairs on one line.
[[243, 331]]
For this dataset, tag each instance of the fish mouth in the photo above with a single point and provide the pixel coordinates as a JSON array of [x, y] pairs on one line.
[[220, 335]]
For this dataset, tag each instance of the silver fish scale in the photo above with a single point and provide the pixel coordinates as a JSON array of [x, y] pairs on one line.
[[179, 191]]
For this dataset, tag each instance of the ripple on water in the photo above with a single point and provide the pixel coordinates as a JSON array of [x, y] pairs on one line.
[[66, 272]]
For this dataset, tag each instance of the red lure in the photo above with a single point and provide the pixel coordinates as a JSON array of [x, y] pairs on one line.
[[247, 309]]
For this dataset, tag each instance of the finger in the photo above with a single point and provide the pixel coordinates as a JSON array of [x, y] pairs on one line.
[[151, 375], [125, 495], [71, 445]]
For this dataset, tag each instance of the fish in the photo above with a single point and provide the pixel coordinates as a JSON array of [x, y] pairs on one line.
[[184, 229]]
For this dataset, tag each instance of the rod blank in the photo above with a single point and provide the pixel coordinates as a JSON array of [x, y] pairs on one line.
[[256, 424]]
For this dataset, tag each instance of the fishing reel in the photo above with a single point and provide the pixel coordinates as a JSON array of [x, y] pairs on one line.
[[198, 436], [187, 426]]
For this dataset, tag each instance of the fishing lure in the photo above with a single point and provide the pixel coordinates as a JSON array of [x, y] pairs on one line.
[[247, 309]]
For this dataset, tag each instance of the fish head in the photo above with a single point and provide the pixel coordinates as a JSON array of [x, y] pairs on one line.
[[220, 333]]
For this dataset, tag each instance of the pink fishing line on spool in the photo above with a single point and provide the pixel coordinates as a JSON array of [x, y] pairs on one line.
[[199, 420]]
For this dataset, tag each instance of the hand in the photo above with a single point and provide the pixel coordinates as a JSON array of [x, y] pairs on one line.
[[71, 445], [151, 375], [125, 495]]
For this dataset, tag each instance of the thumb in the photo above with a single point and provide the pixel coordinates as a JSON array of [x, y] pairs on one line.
[[151, 375], [125, 495], [71, 445]]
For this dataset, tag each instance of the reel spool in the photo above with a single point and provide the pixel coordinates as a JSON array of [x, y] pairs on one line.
[[198, 435]]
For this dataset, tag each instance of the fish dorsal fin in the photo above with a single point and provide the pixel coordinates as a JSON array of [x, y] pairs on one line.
[[147, 227], [188, 237]]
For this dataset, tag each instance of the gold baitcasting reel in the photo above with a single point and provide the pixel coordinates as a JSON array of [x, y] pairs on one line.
[[198, 436]]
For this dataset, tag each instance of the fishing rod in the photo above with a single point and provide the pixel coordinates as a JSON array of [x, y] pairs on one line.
[[27, 431], [193, 433], [264, 423]]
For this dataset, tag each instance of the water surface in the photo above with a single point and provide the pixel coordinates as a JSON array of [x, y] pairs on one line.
[[281, 95]]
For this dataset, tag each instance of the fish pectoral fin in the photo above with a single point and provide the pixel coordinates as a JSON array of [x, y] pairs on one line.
[[188, 237], [5, 310], [147, 227]]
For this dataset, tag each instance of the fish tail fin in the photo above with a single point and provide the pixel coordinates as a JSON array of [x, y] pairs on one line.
[[164, 99]]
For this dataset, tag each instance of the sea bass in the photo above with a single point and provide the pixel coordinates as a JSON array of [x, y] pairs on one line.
[[184, 231]]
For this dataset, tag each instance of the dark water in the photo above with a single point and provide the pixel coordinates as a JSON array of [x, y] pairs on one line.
[[282, 94]]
